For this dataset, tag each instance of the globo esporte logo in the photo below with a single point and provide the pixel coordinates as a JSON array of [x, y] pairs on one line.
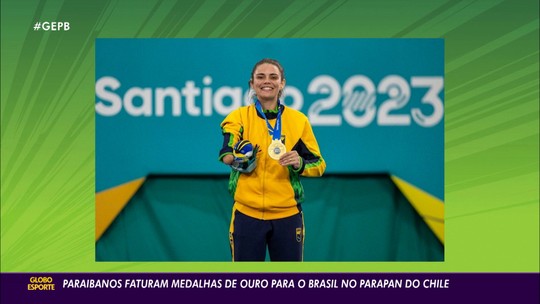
[[41, 283], [358, 101]]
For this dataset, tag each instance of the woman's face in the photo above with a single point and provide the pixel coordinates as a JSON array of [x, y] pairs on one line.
[[267, 82]]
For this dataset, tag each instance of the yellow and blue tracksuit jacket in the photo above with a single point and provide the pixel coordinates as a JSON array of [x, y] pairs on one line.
[[271, 191]]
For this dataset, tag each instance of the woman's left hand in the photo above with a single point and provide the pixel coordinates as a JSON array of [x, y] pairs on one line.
[[290, 158]]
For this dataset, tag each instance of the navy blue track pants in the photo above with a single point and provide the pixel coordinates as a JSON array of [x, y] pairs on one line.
[[249, 237]]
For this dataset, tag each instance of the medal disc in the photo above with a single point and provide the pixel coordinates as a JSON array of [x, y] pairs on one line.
[[276, 149]]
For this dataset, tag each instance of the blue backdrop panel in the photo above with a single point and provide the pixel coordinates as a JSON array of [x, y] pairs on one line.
[[376, 105]]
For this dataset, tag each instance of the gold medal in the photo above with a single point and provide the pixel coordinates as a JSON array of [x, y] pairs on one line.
[[276, 149]]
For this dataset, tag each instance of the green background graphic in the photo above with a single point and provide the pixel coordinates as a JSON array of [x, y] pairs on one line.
[[491, 120]]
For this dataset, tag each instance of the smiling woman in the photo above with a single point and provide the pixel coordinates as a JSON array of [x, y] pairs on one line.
[[377, 108], [267, 193], [268, 81]]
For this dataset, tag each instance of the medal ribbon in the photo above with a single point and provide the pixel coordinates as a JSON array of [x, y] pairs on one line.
[[275, 132]]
